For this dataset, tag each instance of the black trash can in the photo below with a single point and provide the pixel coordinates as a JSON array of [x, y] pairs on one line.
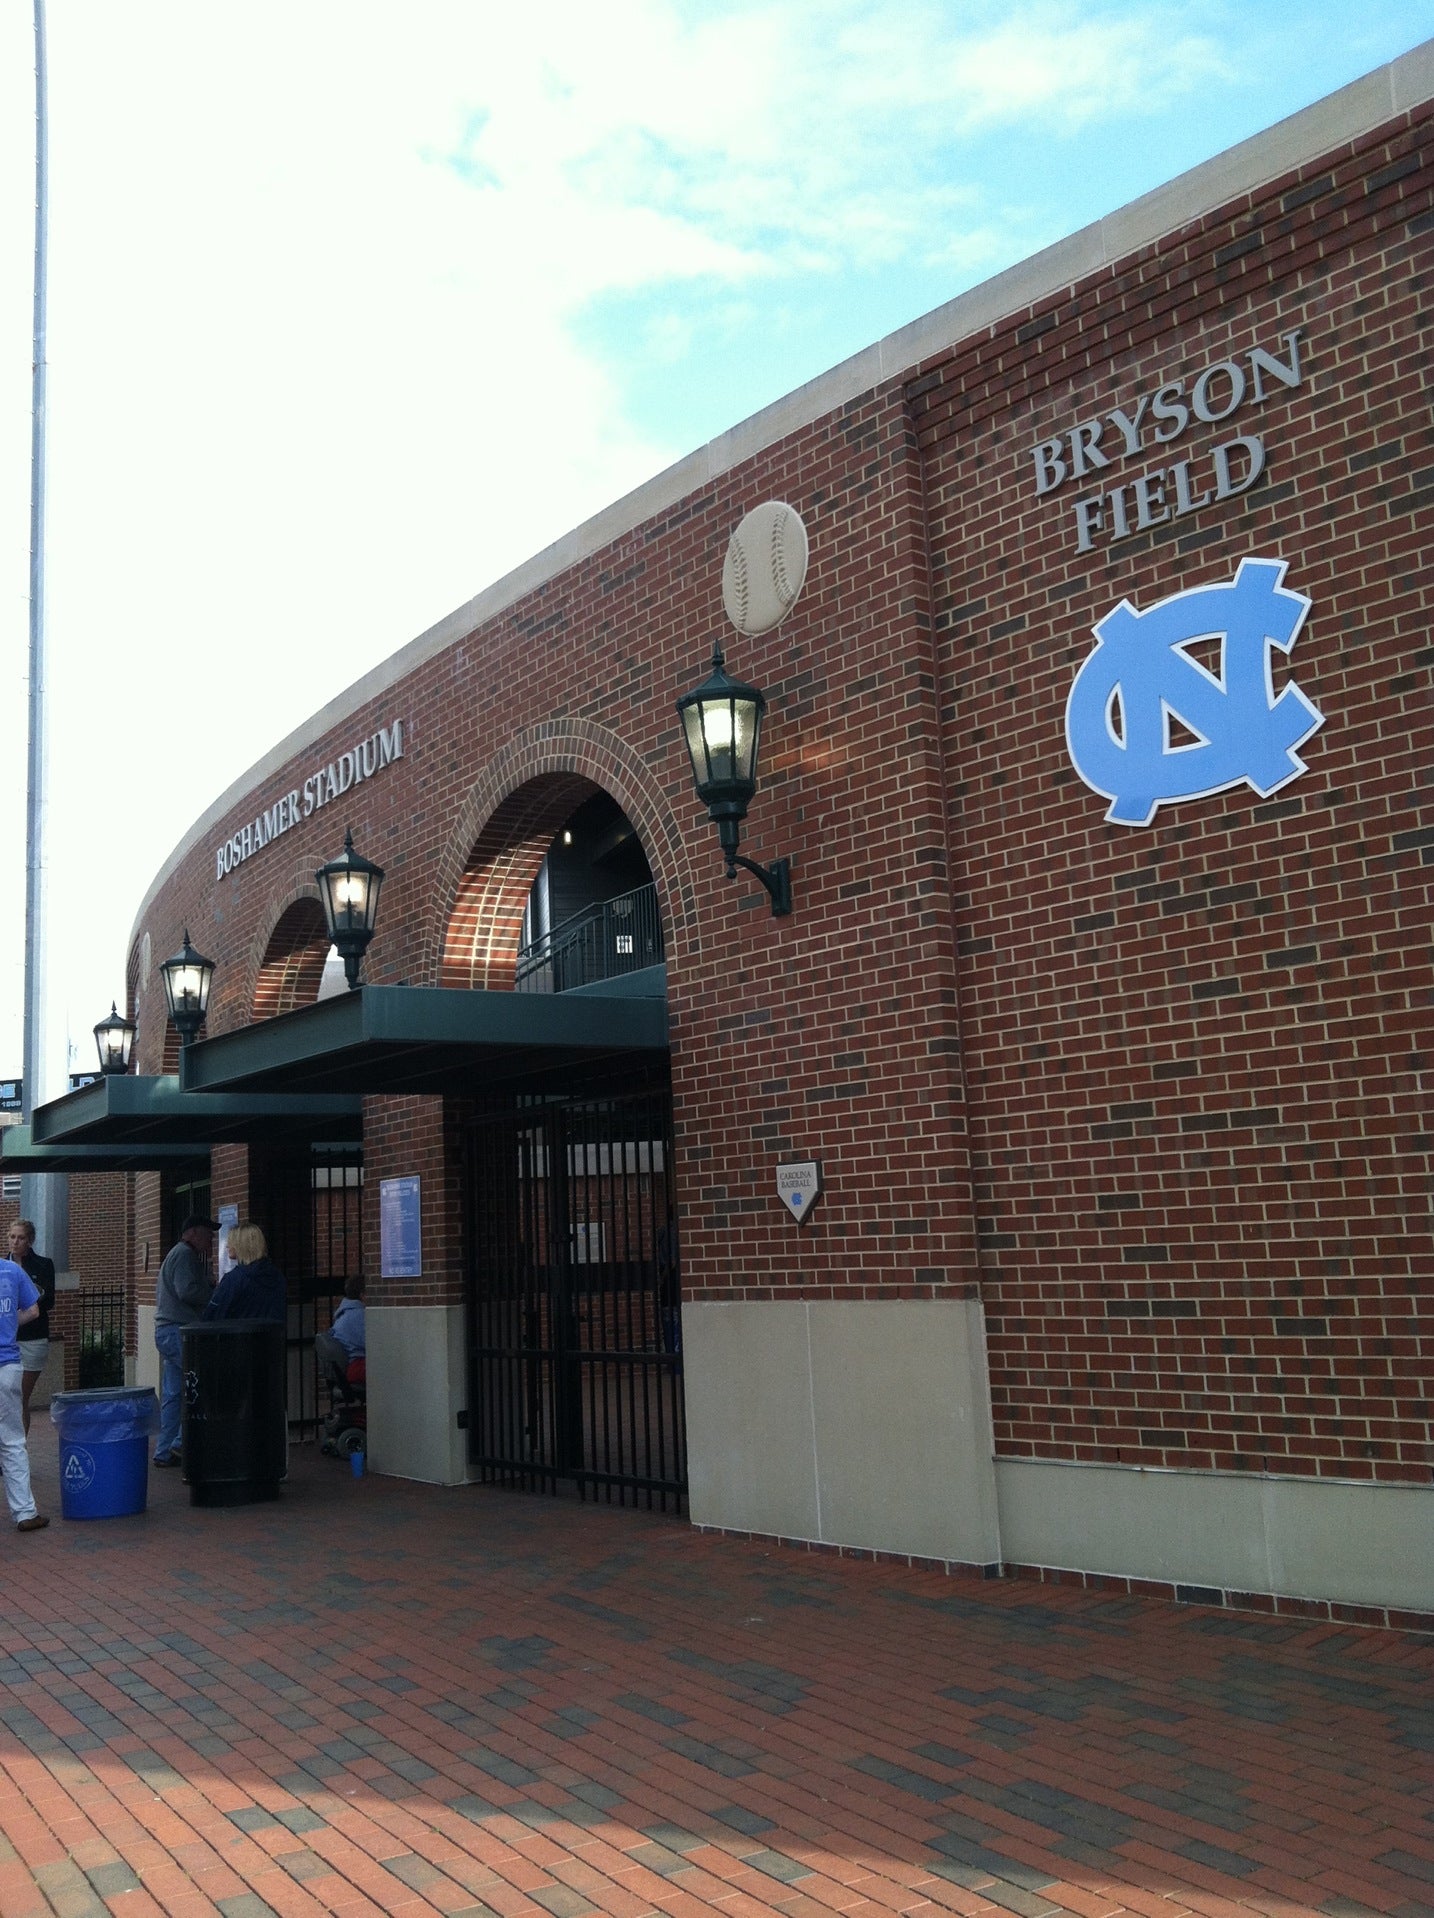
[[235, 1444]]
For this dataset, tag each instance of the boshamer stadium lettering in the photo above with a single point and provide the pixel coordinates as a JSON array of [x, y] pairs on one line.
[[360, 762]]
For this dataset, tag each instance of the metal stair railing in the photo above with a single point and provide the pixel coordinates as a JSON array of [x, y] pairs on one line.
[[601, 942]]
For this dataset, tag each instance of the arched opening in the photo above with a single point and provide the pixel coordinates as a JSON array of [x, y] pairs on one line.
[[592, 911], [557, 892], [299, 963], [572, 1273]]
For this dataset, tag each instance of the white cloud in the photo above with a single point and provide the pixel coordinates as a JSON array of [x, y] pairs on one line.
[[801, 137]]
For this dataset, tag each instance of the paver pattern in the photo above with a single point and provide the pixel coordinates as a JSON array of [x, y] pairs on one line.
[[377, 1697]]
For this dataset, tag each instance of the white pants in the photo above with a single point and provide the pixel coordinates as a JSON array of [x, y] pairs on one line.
[[14, 1458]]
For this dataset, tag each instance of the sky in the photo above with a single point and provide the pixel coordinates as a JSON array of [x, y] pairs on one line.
[[354, 307]]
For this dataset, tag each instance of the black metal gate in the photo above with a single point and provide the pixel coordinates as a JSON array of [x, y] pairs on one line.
[[101, 1316], [574, 1333], [310, 1200]]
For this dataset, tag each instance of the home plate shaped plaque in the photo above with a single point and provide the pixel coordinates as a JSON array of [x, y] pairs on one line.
[[798, 1184]]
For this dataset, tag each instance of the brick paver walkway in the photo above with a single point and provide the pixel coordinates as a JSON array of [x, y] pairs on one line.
[[378, 1697]]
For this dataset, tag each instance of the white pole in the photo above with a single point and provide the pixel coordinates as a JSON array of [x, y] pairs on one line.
[[43, 1198]]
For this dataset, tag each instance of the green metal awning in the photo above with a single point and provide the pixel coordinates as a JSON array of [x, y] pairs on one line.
[[429, 1039], [123, 1111], [19, 1153]]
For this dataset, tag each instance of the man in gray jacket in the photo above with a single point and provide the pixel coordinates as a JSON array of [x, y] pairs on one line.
[[180, 1296]]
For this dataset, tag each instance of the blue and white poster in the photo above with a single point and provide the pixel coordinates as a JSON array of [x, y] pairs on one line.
[[400, 1228], [228, 1219]]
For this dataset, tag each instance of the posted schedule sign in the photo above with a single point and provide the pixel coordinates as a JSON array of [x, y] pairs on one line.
[[400, 1228]]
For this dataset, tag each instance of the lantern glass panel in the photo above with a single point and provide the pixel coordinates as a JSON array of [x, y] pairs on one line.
[[696, 746], [185, 984], [114, 1038], [351, 897], [722, 739], [348, 900], [350, 892]]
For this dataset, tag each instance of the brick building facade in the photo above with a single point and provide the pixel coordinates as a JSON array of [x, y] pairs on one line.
[[1123, 1262]]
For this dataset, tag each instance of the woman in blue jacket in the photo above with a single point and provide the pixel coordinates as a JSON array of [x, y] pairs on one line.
[[252, 1288]]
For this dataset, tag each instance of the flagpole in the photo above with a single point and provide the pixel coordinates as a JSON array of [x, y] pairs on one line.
[[44, 1198]]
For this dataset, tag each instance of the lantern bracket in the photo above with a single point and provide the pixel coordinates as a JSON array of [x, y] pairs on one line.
[[776, 878]]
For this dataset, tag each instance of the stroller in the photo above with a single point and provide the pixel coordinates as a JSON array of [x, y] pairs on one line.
[[346, 1428]]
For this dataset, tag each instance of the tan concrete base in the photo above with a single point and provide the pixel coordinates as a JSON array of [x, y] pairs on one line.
[[1353, 1544], [863, 1424], [143, 1368], [416, 1389]]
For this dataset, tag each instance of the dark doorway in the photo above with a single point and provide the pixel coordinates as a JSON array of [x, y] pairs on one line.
[[186, 1197], [574, 1332], [592, 913]]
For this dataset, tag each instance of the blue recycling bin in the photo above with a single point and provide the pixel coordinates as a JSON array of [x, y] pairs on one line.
[[104, 1450]]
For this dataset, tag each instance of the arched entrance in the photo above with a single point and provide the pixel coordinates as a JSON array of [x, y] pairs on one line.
[[299, 963], [570, 1243]]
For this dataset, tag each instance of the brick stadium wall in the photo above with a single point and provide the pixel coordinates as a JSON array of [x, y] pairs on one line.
[[1194, 1049], [770, 1053], [1191, 1136], [149, 1233], [98, 1212]]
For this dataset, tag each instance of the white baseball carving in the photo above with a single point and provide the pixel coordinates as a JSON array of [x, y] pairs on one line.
[[765, 566]]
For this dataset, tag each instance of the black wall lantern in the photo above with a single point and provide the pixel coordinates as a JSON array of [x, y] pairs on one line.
[[187, 978], [115, 1038], [722, 724], [349, 887]]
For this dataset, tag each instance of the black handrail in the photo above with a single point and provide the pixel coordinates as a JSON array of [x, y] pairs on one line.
[[602, 942]]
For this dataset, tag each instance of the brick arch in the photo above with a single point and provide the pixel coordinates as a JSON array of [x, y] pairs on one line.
[[131, 999], [292, 964], [293, 886], [156, 1041], [481, 940], [146, 1005], [507, 824]]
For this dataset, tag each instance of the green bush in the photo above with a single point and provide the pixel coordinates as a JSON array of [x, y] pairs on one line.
[[101, 1360]]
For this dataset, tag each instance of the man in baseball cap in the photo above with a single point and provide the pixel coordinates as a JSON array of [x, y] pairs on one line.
[[180, 1296]]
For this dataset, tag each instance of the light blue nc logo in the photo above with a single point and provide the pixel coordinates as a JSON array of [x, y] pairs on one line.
[[1148, 723]]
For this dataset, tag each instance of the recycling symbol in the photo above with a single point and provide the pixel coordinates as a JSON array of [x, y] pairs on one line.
[[1148, 723], [79, 1469]]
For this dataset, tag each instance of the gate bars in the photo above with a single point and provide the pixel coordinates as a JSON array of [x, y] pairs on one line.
[[311, 1200], [575, 1366]]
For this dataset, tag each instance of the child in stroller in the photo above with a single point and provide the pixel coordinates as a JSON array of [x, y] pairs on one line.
[[342, 1356]]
